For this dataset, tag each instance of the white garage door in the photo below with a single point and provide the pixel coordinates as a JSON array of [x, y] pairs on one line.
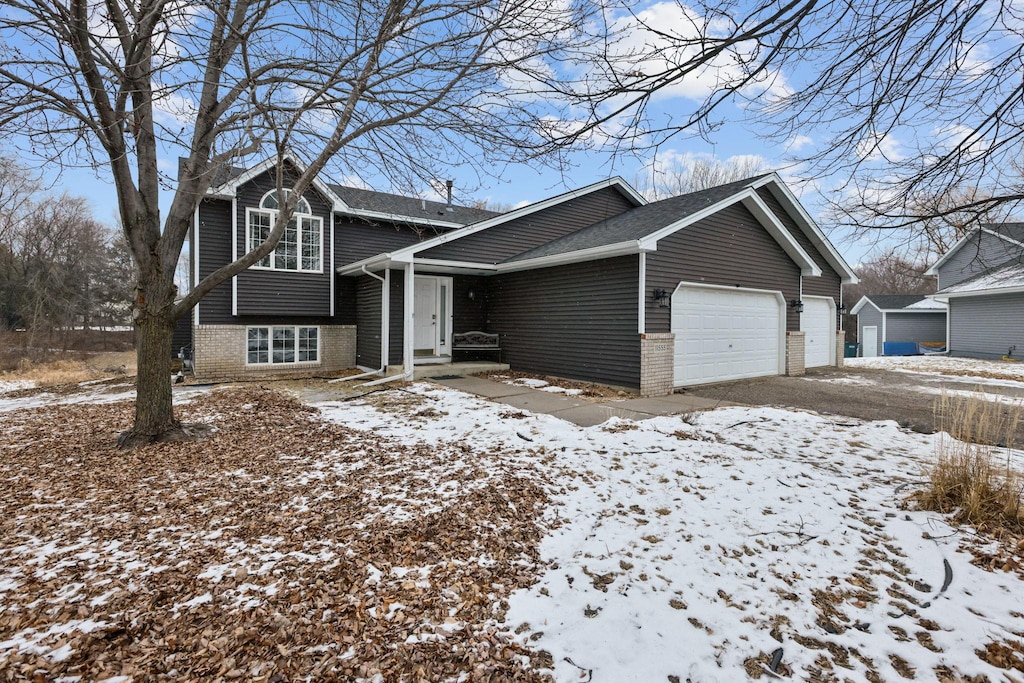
[[818, 324], [724, 334]]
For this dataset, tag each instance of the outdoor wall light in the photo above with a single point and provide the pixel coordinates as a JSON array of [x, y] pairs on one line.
[[842, 309], [661, 297], [796, 305], [471, 295]]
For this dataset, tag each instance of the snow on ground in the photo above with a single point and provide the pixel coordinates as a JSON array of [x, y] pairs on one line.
[[963, 369], [15, 385], [675, 548], [679, 551]]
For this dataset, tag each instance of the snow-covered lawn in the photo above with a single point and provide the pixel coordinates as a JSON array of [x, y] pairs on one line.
[[684, 551], [964, 369], [422, 533]]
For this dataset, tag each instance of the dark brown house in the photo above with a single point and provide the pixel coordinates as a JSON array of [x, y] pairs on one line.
[[595, 284]]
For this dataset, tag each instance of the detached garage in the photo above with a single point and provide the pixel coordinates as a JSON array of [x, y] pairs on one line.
[[894, 324]]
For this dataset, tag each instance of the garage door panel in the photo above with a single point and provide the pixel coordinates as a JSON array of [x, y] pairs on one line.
[[724, 334], [818, 325]]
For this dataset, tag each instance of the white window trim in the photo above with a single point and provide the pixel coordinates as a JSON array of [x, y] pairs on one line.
[[273, 213], [270, 349]]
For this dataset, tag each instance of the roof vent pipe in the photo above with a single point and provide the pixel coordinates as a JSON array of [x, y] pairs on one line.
[[449, 184]]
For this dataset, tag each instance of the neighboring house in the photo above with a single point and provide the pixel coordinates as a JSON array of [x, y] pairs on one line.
[[894, 324], [595, 284], [981, 278]]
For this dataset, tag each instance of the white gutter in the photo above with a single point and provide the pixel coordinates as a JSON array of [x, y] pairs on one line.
[[591, 254]]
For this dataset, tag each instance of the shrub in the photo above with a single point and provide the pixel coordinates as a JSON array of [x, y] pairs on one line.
[[972, 479]]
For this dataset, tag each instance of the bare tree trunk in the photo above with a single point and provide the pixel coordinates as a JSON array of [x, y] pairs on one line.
[[154, 328]]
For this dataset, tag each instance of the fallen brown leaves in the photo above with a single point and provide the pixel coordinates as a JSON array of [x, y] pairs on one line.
[[279, 547]]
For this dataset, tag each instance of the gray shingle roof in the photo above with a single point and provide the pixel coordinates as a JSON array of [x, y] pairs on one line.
[[636, 223], [380, 202], [892, 302], [383, 202]]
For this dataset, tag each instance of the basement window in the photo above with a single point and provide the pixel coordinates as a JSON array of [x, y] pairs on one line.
[[282, 345]]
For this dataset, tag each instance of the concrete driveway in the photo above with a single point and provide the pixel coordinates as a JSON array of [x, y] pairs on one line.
[[868, 394]]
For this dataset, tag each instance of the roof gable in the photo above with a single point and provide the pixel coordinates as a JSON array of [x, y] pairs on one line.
[[1005, 278], [646, 225], [1012, 233], [773, 183], [896, 303], [408, 253]]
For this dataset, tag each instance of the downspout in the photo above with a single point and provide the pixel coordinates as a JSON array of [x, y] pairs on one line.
[[407, 340], [384, 322]]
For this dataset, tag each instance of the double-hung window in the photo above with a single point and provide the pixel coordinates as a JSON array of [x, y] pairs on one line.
[[282, 344], [300, 247]]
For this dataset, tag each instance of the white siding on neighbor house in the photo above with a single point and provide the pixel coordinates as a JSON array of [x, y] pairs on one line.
[[987, 326], [979, 253]]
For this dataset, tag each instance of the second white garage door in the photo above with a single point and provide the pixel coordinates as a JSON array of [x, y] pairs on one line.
[[818, 322], [725, 333]]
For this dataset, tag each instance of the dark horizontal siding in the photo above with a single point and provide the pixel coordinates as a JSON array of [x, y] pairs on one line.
[[396, 350], [981, 252], [345, 301], [368, 315], [729, 248], [267, 292], [987, 326], [356, 240], [829, 283], [215, 252], [182, 334], [469, 315], [577, 321], [509, 239]]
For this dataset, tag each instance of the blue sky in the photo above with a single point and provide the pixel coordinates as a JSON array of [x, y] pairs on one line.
[[518, 185]]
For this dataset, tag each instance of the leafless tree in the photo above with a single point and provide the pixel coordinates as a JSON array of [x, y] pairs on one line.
[[903, 101], [694, 173], [51, 266], [890, 272], [404, 87]]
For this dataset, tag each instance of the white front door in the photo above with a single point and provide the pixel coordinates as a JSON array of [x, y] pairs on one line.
[[432, 306], [869, 344], [818, 323], [425, 316], [725, 333]]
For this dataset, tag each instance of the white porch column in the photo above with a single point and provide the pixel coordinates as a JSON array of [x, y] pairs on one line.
[[408, 331], [385, 321]]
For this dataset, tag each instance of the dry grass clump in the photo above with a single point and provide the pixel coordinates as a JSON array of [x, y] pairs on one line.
[[72, 370], [975, 482]]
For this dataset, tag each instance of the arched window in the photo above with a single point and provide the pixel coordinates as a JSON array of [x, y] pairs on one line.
[[301, 245]]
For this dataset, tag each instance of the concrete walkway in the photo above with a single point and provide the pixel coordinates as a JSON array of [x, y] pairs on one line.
[[577, 410]]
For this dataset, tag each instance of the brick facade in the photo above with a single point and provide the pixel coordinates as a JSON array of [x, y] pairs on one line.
[[840, 347], [220, 352], [657, 355], [795, 353]]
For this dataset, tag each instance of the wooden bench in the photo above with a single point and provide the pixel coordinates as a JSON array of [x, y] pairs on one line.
[[476, 341]]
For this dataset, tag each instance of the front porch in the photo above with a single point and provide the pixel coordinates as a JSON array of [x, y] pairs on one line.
[[463, 369]]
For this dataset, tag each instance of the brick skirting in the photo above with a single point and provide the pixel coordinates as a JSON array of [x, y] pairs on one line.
[[795, 354], [220, 352], [657, 356]]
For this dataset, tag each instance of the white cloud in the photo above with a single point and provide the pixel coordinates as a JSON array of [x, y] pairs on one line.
[[798, 142], [879, 146]]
